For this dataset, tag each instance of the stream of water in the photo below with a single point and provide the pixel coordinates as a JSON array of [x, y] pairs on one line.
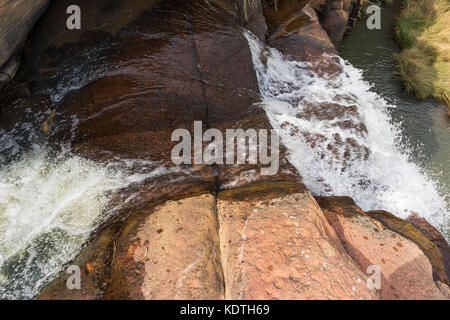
[[346, 139]]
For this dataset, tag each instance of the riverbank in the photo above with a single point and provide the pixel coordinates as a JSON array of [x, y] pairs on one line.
[[422, 30]]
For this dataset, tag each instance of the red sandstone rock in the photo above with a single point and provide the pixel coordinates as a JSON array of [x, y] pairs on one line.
[[434, 236], [281, 247], [170, 251], [299, 34], [406, 271]]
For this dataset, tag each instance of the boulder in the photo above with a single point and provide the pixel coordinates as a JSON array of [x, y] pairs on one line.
[[406, 272], [434, 236], [17, 18], [408, 231], [169, 252], [338, 17], [297, 32], [276, 244]]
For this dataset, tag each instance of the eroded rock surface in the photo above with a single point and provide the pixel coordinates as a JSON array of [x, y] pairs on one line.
[[434, 236], [408, 231], [17, 18], [281, 247], [406, 271], [269, 240], [169, 252], [186, 236], [296, 31], [338, 16]]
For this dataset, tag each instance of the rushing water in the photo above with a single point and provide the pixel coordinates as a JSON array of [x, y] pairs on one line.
[[341, 137], [50, 203], [424, 125], [48, 208]]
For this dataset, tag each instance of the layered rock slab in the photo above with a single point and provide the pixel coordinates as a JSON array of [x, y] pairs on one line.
[[406, 272], [408, 231], [17, 18], [278, 245], [434, 236], [169, 252], [297, 32]]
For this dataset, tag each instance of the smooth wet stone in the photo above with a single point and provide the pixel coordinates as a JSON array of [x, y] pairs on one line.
[[300, 35], [338, 17], [17, 18], [138, 79], [406, 272], [95, 266]]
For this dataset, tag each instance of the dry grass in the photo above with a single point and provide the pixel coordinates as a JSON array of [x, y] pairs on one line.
[[423, 30]]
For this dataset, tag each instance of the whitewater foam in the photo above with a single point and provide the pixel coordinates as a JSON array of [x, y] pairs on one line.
[[357, 151], [50, 203]]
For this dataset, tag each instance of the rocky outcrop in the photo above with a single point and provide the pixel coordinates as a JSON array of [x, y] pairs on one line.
[[408, 231], [405, 269], [434, 236], [197, 231], [141, 85], [306, 29], [262, 241], [266, 241], [338, 17], [17, 18], [296, 31], [279, 246]]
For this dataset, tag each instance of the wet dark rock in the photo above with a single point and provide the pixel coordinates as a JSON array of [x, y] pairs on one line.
[[119, 89], [296, 31], [17, 18], [338, 17], [94, 264]]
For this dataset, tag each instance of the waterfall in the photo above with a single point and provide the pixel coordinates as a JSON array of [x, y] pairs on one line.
[[340, 136]]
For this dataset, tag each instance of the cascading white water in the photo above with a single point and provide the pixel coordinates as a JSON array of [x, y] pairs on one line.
[[340, 136], [48, 208], [50, 203]]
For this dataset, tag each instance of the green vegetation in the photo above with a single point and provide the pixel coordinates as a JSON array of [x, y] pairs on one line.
[[423, 31]]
